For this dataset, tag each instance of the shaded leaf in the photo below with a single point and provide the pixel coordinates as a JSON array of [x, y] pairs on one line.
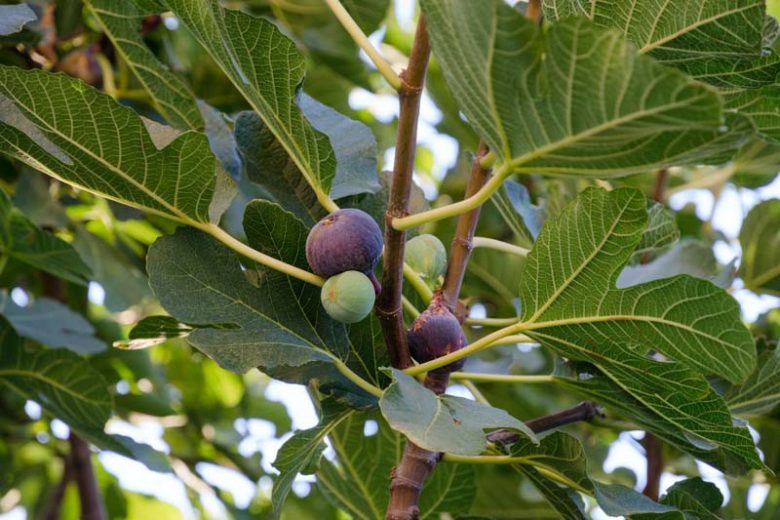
[[688, 257], [514, 203], [267, 69], [301, 451], [661, 232], [50, 322], [760, 393], [22, 240], [121, 21], [442, 423], [13, 18], [760, 240], [63, 383]]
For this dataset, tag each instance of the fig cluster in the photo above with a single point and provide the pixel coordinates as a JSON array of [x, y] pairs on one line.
[[436, 333], [344, 247]]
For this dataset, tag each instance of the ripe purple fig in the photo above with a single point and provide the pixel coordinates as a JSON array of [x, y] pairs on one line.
[[435, 333], [345, 240]]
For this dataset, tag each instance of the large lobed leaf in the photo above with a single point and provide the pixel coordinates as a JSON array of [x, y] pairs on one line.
[[121, 21], [576, 99], [274, 322], [570, 303], [70, 131], [726, 43], [267, 69]]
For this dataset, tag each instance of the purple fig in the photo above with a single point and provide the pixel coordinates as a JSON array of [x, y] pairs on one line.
[[435, 333], [345, 240]]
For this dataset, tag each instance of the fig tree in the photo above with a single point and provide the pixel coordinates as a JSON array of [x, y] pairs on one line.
[[426, 255], [348, 297], [345, 240], [436, 333]]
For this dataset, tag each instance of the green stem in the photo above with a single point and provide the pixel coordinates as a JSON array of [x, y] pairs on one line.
[[457, 208], [359, 381], [490, 322], [500, 245], [480, 344], [419, 285], [356, 33], [501, 378], [488, 161], [716, 178], [409, 307], [261, 258], [513, 340], [483, 459], [478, 396]]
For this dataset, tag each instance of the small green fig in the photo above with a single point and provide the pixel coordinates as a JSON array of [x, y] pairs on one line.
[[426, 255], [346, 240], [348, 297], [436, 333]]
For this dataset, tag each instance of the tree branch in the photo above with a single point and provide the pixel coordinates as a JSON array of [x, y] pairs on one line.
[[584, 411], [417, 464], [389, 309], [55, 501], [84, 475], [653, 453], [462, 242]]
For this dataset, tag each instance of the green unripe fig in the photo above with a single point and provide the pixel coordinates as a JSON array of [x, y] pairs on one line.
[[348, 297], [426, 255]]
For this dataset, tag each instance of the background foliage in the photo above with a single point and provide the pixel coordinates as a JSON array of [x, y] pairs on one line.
[[125, 320]]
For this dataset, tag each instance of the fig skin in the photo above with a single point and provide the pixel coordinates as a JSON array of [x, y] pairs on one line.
[[435, 333], [426, 255], [346, 240], [348, 297]]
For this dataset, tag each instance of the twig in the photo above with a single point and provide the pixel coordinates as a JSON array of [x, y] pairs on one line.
[[388, 307], [464, 235], [356, 33], [584, 411], [661, 181], [534, 10], [55, 502], [84, 475], [653, 453]]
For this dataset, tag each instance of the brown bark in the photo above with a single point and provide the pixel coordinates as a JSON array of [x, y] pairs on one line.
[[388, 305], [584, 411]]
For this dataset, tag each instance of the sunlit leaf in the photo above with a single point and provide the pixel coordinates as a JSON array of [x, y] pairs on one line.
[[573, 100]]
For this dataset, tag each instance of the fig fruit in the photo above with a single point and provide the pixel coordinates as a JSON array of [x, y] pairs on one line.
[[345, 240], [426, 255], [348, 297], [435, 333]]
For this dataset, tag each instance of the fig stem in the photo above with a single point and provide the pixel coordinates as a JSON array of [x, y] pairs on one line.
[[501, 378], [490, 322], [481, 344], [417, 283], [456, 208], [362, 41], [498, 245], [261, 258], [359, 381]]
